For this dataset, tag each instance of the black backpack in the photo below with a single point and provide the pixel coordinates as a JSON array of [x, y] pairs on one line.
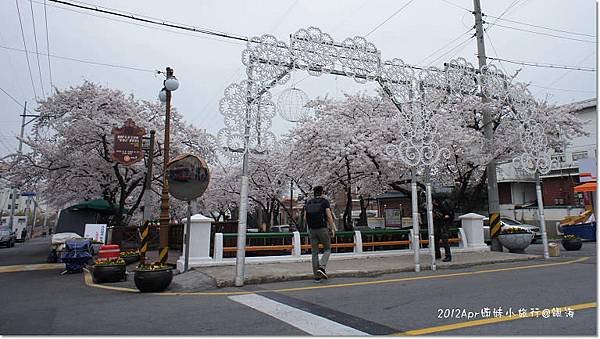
[[315, 213]]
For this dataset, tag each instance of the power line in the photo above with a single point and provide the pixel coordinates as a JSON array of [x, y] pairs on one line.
[[546, 34], [129, 22], [391, 16], [151, 20], [25, 48], [542, 27], [496, 52], [13, 99], [535, 64], [457, 6], [48, 47], [562, 89], [86, 61], [446, 45], [462, 44], [36, 47], [512, 4]]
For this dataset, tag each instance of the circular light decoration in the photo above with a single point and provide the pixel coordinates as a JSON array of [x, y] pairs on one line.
[[267, 59], [432, 86], [493, 83], [536, 153], [461, 77], [399, 78], [291, 104], [360, 59], [313, 51]]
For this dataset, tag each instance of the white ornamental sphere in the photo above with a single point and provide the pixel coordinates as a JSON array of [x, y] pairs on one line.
[[171, 84], [162, 95], [291, 104]]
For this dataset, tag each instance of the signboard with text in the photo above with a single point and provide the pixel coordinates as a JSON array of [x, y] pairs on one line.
[[95, 232], [127, 144]]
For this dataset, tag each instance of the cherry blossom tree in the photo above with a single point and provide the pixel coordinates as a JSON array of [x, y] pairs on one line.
[[71, 143]]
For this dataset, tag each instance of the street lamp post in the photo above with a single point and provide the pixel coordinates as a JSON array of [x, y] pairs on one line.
[[170, 84]]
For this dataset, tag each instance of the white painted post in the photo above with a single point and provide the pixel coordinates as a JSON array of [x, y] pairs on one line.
[[410, 239], [218, 250], [472, 226], [199, 249], [463, 238], [297, 251], [358, 244]]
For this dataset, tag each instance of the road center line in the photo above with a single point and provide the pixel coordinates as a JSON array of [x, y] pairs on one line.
[[480, 322], [307, 322]]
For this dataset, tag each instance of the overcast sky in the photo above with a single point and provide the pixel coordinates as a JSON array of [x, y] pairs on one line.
[[206, 65]]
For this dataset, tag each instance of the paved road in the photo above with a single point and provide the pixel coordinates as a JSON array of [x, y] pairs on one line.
[[34, 251], [43, 302]]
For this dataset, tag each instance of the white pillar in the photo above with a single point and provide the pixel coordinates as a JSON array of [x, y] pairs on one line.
[[358, 244], [218, 249], [199, 242], [472, 225], [297, 251]]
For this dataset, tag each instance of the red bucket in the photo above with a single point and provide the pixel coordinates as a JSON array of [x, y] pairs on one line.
[[109, 251]]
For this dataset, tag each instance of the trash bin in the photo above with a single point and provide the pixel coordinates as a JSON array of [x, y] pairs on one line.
[[553, 249]]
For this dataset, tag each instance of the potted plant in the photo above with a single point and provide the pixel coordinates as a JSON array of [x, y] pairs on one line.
[[571, 242], [155, 277], [515, 239], [130, 256], [108, 270]]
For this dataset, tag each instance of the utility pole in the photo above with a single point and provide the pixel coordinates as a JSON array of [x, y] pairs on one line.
[[492, 184], [14, 189]]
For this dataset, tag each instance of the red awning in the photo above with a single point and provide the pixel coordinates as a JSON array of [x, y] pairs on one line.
[[586, 187]]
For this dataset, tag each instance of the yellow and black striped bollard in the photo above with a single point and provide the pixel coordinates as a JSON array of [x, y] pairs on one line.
[[144, 236]]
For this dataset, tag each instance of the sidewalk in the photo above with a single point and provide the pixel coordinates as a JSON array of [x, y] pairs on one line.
[[206, 278]]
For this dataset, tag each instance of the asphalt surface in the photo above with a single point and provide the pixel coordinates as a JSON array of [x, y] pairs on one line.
[[44, 302]]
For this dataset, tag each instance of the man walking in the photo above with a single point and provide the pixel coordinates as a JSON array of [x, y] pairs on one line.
[[317, 213], [442, 220]]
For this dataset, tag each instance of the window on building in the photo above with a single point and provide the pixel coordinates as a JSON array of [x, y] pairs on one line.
[[580, 155]]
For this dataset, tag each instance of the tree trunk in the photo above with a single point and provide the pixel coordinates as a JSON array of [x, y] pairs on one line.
[[348, 211]]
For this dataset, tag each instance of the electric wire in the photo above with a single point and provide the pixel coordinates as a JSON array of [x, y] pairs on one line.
[[582, 60], [390, 17], [546, 34], [150, 20], [86, 61], [457, 6], [536, 64], [36, 47], [15, 100], [446, 45], [48, 48], [495, 51], [542, 27], [25, 49], [512, 4], [562, 89], [129, 22], [455, 48]]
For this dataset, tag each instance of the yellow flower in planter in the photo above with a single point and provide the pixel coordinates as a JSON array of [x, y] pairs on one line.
[[109, 261]]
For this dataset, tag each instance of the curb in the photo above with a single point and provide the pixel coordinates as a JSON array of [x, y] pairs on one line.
[[222, 283]]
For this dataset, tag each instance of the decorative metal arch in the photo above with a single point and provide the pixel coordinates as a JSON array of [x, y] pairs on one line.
[[248, 109]]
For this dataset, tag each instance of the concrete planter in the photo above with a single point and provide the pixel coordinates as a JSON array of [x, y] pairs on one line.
[[130, 259], [516, 243]]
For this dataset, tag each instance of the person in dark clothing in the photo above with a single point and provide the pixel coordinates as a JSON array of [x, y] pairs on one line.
[[443, 216], [318, 216]]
